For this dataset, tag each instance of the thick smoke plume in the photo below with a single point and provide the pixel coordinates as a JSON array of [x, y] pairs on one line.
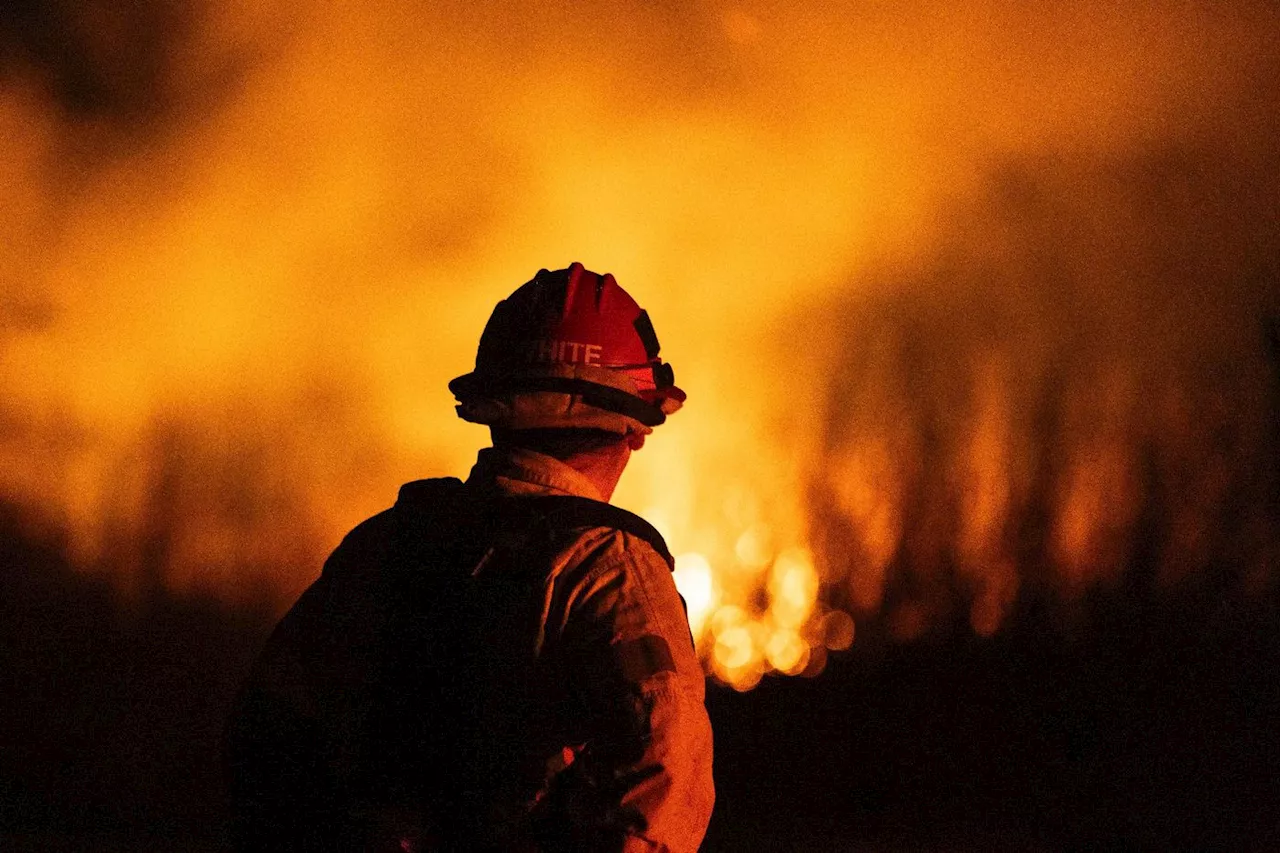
[[969, 298]]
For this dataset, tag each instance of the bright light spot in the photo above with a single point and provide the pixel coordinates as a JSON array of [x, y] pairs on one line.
[[727, 616], [752, 547], [734, 648], [693, 578], [793, 587], [786, 651]]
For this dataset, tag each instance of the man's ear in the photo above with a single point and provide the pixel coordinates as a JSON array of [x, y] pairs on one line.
[[635, 440]]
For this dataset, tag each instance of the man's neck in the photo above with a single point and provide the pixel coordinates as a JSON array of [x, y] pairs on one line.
[[602, 467]]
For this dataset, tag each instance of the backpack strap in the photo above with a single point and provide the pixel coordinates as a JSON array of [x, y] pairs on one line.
[[451, 506], [557, 513]]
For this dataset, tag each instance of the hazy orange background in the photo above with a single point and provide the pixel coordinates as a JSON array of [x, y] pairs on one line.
[[968, 297]]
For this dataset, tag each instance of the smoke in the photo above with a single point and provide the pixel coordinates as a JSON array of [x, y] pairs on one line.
[[960, 292], [1073, 395]]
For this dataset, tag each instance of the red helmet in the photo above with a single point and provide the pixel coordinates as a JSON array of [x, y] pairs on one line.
[[568, 349]]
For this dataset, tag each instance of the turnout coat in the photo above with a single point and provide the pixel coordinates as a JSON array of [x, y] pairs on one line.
[[503, 664]]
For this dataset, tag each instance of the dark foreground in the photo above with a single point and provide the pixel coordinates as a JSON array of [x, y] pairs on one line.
[[1145, 725]]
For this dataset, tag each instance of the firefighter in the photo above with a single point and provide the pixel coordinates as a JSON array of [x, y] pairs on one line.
[[505, 663]]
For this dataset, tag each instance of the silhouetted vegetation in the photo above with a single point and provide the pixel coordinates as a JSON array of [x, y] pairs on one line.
[[1154, 729], [113, 713]]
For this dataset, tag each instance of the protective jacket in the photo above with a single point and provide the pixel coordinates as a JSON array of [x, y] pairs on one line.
[[486, 666]]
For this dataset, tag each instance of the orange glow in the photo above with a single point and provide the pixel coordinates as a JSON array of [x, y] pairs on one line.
[[696, 582], [952, 312], [793, 588], [786, 651], [837, 630]]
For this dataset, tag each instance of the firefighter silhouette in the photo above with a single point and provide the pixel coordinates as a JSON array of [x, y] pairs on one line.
[[502, 663]]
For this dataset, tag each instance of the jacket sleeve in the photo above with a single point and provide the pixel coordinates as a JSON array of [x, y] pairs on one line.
[[640, 677], [283, 790]]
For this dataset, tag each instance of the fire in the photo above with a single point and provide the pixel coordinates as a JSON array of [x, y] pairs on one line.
[[966, 300], [741, 645], [696, 581]]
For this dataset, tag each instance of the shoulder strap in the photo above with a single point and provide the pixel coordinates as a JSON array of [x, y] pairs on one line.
[[437, 521], [430, 491], [451, 505], [557, 512]]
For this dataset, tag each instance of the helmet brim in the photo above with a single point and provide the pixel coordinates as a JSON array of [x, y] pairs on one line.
[[578, 391]]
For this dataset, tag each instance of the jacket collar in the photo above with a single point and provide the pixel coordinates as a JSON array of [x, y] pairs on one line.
[[518, 471]]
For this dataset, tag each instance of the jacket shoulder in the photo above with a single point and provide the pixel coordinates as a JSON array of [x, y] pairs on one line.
[[375, 537], [563, 513], [434, 490]]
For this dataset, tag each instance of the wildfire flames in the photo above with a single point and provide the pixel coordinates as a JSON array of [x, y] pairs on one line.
[[970, 301]]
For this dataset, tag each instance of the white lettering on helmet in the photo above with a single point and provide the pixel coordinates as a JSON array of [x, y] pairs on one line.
[[565, 352]]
